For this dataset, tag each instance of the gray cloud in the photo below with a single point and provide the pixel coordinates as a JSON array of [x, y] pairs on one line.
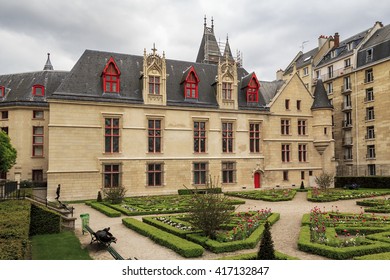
[[268, 33]]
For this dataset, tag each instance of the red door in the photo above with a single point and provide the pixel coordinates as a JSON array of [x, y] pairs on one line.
[[257, 180]]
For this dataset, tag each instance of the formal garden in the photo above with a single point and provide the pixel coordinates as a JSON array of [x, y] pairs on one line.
[[175, 221]]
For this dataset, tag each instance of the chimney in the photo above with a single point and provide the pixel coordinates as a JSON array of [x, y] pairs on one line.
[[336, 40], [279, 74], [321, 41]]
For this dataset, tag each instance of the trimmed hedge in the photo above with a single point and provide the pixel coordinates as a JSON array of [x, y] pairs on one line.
[[253, 256], [220, 247], [200, 191], [304, 244], [14, 228], [108, 211], [44, 221], [371, 182], [181, 246]]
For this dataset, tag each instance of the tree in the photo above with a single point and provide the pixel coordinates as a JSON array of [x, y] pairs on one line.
[[324, 180], [266, 251], [8, 153], [209, 210]]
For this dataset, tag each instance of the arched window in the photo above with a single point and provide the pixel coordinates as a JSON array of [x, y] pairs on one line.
[[191, 84], [111, 77], [252, 91], [38, 90]]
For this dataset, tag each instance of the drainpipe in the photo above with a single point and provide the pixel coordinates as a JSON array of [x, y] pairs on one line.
[[356, 125]]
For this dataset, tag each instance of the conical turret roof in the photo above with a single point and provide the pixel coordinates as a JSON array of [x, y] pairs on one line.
[[321, 100]]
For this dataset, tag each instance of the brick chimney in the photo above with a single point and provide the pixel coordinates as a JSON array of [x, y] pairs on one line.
[[336, 40]]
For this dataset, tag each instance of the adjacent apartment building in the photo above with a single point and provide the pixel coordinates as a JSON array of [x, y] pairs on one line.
[[355, 74]]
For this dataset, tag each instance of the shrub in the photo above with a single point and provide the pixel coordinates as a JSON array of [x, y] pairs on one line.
[[266, 251], [99, 197], [324, 180], [114, 195], [108, 211], [44, 221], [302, 187]]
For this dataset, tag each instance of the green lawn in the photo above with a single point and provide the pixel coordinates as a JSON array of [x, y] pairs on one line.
[[61, 246]]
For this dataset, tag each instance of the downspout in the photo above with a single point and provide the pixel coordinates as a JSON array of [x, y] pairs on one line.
[[356, 125]]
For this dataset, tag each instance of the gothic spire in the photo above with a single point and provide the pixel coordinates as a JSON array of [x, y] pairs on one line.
[[48, 65]]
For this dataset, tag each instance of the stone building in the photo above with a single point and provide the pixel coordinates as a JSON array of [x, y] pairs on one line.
[[154, 125]]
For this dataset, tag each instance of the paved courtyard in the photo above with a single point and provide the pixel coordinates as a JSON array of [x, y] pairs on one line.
[[284, 233]]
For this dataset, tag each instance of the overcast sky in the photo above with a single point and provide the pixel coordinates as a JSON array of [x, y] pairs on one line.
[[268, 33]]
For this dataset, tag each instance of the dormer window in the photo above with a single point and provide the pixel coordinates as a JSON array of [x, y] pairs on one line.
[[154, 85], [2, 91], [38, 90], [252, 91], [111, 77], [227, 89], [191, 84]]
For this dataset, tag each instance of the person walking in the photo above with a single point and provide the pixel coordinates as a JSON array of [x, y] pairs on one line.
[[58, 191]]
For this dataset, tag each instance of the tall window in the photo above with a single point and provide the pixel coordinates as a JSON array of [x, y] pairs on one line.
[[369, 76], [329, 87], [299, 105], [228, 172], [285, 126], [200, 173], [371, 169], [286, 153], [285, 175], [111, 135], [154, 85], [347, 83], [287, 104], [155, 174], [370, 113], [369, 55], [37, 175], [199, 137], [302, 127], [111, 77], [111, 175], [37, 148], [254, 137], [252, 91], [191, 85], [4, 129], [370, 151], [302, 152], [227, 137], [38, 90], [369, 95], [370, 132], [154, 136], [227, 91], [347, 62], [330, 72]]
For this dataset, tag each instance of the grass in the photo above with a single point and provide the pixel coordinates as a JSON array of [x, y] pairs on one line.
[[61, 246]]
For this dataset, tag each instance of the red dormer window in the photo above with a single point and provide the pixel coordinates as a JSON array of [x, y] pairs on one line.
[[2, 91], [38, 90], [111, 77], [252, 90], [191, 84]]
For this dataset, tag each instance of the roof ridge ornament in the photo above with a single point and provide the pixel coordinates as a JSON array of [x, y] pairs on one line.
[[48, 65]]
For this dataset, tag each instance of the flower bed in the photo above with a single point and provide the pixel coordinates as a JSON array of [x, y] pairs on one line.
[[319, 195], [151, 205], [375, 205], [267, 195], [344, 236]]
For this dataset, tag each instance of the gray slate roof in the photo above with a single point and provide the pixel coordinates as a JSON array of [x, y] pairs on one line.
[[18, 87], [84, 82], [321, 100]]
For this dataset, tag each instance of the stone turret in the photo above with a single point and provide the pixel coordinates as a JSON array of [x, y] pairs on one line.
[[322, 118]]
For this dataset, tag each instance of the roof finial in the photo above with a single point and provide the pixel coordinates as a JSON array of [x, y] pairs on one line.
[[205, 21], [212, 23], [154, 49], [48, 65]]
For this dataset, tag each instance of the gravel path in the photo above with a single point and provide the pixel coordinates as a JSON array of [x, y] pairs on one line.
[[284, 233]]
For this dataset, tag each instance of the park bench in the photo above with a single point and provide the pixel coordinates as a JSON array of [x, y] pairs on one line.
[[95, 237]]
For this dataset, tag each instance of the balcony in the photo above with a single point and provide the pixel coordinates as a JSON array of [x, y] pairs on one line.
[[347, 123], [336, 73], [346, 88], [346, 106], [347, 141]]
